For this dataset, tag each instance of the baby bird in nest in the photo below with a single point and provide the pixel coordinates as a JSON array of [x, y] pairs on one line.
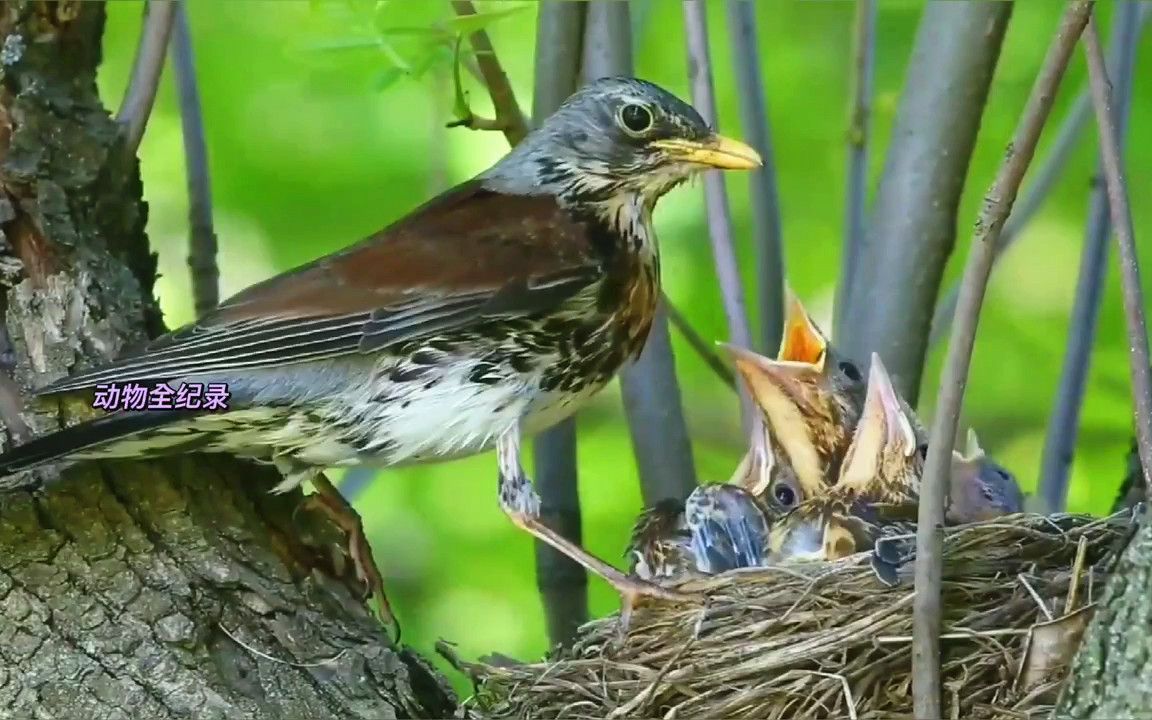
[[719, 527], [980, 488], [810, 398], [876, 492]]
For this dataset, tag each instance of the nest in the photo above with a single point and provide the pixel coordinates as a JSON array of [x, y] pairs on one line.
[[829, 640]]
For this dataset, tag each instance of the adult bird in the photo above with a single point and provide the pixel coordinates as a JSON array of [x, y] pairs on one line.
[[493, 310]]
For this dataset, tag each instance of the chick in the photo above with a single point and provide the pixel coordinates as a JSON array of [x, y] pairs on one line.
[[877, 489], [809, 396], [719, 527], [980, 488]]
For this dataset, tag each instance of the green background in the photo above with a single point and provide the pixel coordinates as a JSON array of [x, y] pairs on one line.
[[308, 154]]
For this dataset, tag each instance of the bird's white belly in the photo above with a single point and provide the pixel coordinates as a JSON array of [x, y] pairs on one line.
[[450, 418]]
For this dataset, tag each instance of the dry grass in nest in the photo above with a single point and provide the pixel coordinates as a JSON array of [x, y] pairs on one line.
[[828, 640]]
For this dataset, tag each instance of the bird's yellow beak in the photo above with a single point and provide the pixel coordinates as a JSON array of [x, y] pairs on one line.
[[716, 152]]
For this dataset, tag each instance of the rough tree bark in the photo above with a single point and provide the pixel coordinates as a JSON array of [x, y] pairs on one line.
[[1112, 673], [127, 589]]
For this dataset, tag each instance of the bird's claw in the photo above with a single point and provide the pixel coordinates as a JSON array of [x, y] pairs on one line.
[[328, 501]]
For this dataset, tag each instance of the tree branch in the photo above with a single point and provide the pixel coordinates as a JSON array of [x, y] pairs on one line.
[[563, 584], [913, 220], [202, 235], [1113, 163], [509, 119], [859, 130], [719, 216], [1064, 421], [1047, 174], [765, 197], [146, 71], [997, 205]]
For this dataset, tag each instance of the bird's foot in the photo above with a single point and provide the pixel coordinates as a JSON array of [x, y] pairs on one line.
[[520, 502], [328, 500]]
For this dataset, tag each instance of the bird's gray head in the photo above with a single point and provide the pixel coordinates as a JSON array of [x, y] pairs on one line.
[[618, 135]]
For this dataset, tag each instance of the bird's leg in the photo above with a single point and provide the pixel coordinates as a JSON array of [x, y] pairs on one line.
[[328, 500], [520, 502]]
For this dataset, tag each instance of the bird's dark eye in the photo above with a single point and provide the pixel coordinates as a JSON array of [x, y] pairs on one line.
[[851, 371], [636, 118], [784, 495], [923, 450]]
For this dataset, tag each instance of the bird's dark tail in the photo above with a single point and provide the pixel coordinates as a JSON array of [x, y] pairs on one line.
[[106, 436]]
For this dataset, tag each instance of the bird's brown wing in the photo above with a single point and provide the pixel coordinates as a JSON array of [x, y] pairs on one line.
[[466, 255]]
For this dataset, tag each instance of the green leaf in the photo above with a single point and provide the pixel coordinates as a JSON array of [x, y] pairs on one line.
[[343, 44], [468, 24], [410, 31], [388, 78]]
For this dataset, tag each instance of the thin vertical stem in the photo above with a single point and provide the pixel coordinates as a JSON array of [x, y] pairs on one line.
[[562, 583], [508, 115], [1064, 421], [202, 235], [764, 195], [1113, 162], [136, 106], [859, 130], [997, 205], [719, 217]]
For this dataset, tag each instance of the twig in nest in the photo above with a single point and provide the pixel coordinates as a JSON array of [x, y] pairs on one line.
[[146, 71], [997, 205], [1129, 266]]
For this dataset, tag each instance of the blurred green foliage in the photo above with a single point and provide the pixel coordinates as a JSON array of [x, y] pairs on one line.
[[325, 121]]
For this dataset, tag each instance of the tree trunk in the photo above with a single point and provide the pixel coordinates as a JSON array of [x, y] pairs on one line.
[[1112, 673], [142, 590]]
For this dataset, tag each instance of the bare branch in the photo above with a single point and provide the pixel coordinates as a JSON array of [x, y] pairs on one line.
[[146, 71], [863, 75], [719, 216], [562, 583], [765, 197], [1113, 162], [202, 235], [997, 205], [509, 119], [1047, 174], [702, 347], [912, 226], [1064, 421], [649, 387]]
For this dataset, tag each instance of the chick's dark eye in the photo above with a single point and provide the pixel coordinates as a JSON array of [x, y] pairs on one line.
[[784, 495], [851, 371], [923, 450], [636, 118]]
